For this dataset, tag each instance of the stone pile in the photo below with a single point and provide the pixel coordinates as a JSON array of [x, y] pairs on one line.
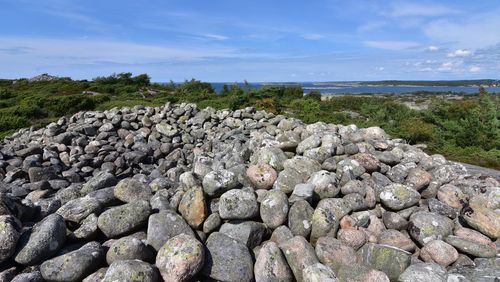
[[175, 193]]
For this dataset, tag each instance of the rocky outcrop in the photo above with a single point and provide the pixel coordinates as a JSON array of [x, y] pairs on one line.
[[181, 194]]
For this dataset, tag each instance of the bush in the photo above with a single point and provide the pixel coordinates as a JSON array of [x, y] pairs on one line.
[[416, 130]]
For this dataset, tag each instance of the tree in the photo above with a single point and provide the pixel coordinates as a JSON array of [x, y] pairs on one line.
[[314, 95], [225, 90]]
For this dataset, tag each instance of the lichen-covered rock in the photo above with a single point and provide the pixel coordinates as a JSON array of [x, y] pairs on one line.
[[180, 258], [249, 233], [398, 196], [124, 219], [130, 190], [271, 265], [238, 204], [128, 248], [9, 234], [333, 253], [425, 272], [390, 260], [227, 259], [482, 218], [75, 265], [300, 218], [101, 180], [216, 182], [425, 227], [299, 254], [274, 208], [165, 225], [131, 271], [78, 209], [42, 241], [318, 272]]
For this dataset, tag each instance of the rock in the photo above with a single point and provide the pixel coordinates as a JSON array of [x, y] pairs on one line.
[[101, 180], [398, 196], [374, 133], [216, 182], [261, 176], [274, 208], [324, 184], [124, 219], [482, 218], [9, 234], [396, 239], [131, 271], [483, 270], [318, 272], [271, 265], [352, 237], [192, 207], [281, 234], [87, 230], [212, 222], [390, 260], [249, 233], [35, 276], [326, 217], [287, 180], [369, 162], [472, 248], [128, 248], [42, 241], [451, 196], [227, 259], [37, 174], [299, 254], [97, 276], [418, 178], [394, 220], [130, 190], [359, 272], [439, 252], [75, 265], [180, 258], [165, 225], [166, 129], [333, 253], [273, 156], [78, 209], [425, 272], [238, 204], [300, 218], [425, 227]]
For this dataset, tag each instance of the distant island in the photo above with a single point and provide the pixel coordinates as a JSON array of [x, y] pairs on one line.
[[454, 83]]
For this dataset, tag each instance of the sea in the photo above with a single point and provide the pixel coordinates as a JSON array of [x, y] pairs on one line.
[[349, 88]]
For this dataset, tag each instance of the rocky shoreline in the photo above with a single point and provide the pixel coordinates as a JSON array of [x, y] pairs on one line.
[[176, 193]]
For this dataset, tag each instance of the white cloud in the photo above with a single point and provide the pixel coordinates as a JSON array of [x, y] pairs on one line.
[[474, 69], [450, 65], [392, 45], [407, 9], [215, 36], [432, 48], [370, 26], [459, 53], [380, 68]]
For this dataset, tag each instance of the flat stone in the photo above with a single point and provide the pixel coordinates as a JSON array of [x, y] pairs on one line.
[[120, 220]]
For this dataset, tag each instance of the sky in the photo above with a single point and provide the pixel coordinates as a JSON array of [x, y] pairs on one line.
[[236, 40]]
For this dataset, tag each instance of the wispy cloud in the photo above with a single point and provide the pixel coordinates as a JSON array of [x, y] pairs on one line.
[[476, 31], [459, 53], [215, 36], [413, 9], [392, 45], [313, 36], [432, 48], [370, 26], [474, 69]]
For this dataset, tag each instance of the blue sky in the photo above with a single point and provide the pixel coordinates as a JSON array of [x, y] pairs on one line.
[[273, 40]]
